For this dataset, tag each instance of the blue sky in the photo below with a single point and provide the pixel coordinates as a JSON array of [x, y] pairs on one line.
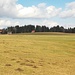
[[37, 12], [57, 3]]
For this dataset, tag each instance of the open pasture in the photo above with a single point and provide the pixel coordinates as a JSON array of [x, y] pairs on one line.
[[37, 54]]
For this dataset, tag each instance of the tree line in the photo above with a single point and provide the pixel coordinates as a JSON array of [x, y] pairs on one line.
[[37, 28]]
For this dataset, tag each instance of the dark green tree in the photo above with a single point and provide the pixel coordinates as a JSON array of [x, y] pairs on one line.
[[38, 28]]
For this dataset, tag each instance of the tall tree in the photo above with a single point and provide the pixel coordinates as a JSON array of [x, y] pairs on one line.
[[38, 28]]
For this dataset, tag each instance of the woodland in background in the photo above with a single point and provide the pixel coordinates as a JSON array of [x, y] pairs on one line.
[[37, 28]]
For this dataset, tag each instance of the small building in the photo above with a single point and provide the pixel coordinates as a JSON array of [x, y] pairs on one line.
[[33, 31], [9, 33], [1, 31]]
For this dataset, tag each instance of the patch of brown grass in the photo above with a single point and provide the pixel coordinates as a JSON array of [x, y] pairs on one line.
[[19, 69], [8, 65]]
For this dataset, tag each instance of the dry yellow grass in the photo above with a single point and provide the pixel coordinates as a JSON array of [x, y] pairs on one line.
[[37, 54]]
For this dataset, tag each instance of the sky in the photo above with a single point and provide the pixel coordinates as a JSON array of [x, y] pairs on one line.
[[37, 12]]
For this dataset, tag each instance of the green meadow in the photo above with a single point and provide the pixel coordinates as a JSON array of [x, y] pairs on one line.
[[38, 54]]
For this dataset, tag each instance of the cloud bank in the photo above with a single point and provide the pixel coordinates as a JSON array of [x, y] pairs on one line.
[[6, 23], [10, 9], [69, 11]]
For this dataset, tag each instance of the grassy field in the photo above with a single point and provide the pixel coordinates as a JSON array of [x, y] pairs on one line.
[[37, 54]]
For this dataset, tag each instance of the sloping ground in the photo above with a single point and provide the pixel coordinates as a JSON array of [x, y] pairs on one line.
[[45, 33], [37, 54]]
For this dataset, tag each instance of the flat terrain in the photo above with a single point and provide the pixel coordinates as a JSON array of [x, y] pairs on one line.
[[52, 54]]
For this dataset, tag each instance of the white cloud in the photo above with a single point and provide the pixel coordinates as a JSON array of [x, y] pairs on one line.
[[9, 8], [52, 11], [5, 23], [40, 11], [50, 23], [10, 22], [69, 10]]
